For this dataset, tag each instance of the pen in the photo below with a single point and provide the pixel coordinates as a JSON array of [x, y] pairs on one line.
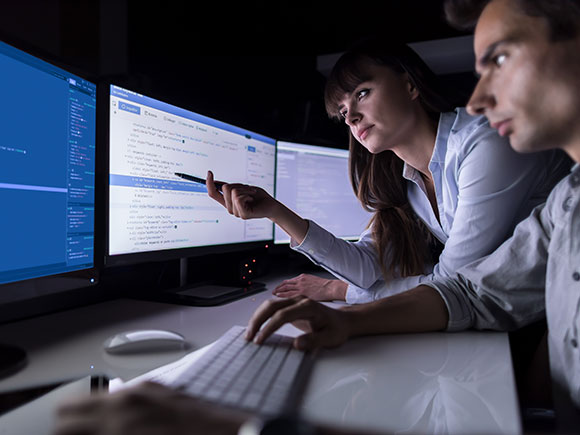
[[218, 184]]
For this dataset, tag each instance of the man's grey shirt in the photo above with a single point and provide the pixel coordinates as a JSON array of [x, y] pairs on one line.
[[534, 273]]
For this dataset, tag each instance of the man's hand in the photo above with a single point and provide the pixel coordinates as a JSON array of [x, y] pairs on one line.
[[421, 309], [324, 326]]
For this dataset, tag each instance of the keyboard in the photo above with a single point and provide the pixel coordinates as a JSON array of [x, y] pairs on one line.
[[266, 379]]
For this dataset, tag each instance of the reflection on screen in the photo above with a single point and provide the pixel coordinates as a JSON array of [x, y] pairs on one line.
[[313, 181], [47, 169], [150, 208]]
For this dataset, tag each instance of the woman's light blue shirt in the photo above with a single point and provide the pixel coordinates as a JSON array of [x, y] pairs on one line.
[[483, 189]]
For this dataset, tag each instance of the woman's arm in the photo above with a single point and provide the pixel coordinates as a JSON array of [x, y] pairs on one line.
[[249, 202]]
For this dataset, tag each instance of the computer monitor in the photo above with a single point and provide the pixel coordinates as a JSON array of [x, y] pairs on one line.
[[154, 215], [314, 182], [47, 187]]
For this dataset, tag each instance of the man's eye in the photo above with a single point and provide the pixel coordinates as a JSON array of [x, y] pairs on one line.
[[499, 59], [342, 113]]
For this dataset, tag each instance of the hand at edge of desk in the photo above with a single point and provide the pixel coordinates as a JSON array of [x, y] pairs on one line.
[[146, 409], [153, 409], [323, 326], [312, 286]]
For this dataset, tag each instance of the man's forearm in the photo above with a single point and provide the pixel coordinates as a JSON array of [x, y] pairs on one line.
[[418, 310]]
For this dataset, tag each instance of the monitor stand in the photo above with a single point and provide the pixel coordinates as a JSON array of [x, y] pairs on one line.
[[208, 293], [12, 359]]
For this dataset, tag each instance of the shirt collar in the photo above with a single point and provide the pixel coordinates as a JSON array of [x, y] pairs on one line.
[[446, 121]]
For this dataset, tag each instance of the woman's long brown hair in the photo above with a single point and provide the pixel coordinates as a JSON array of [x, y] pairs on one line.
[[403, 242]]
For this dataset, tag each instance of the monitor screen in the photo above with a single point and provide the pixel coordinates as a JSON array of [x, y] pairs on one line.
[[47, 179], [152, 210], [313, 181]]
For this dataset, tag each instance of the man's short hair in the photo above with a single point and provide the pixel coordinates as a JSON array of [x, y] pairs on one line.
[[563, 16]]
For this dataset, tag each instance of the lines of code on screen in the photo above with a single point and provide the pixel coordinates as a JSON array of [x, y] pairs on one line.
[[47, 168]]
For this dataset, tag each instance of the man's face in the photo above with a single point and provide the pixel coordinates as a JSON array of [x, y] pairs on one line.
[[529, 87]]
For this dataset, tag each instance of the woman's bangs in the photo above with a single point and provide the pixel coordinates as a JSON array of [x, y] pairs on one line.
[[344, 79]]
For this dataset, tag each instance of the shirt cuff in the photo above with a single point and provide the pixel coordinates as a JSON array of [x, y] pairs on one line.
[[317, 242], [460, 318], [357, 295]]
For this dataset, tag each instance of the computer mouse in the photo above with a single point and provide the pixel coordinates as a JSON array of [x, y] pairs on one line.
[[143, 341]]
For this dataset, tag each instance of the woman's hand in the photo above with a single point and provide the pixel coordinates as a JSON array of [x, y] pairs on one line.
[[323, 326], [249, 202], [242, 200], [314, 287]]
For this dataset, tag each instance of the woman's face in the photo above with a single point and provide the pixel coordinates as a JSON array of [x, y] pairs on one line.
[[380, 110]]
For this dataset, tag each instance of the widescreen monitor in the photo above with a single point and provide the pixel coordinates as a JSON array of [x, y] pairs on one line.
[[313, 181], [156, 215], [47, 184]]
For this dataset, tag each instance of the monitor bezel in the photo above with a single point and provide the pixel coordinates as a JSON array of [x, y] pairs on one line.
[[67, 289], [74, 289], [165, 254]]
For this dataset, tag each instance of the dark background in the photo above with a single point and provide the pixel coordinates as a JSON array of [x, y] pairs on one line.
[[249, 63]]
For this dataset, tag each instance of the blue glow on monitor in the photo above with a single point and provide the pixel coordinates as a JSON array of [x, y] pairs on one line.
[[47, 168]]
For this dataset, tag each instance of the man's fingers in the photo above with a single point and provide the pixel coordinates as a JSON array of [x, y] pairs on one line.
[[263, 313], [301, 309], [308, 341]]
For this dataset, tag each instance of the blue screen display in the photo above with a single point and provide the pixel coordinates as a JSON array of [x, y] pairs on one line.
[[47, 168]]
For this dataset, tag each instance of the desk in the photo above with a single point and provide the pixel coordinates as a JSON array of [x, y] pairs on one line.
[[422, 383]]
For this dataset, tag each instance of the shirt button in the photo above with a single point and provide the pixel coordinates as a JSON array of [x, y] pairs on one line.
[[574, 342], [575, 179], [311, 251], [567, 204], [576, 276]]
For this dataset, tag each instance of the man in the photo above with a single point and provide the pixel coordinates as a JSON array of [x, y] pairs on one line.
[[528, 57]]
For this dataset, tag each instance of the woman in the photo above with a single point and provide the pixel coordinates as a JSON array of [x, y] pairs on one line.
[[431, 174]]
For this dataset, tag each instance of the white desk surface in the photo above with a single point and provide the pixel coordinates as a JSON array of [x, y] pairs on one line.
[[419, 383]]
